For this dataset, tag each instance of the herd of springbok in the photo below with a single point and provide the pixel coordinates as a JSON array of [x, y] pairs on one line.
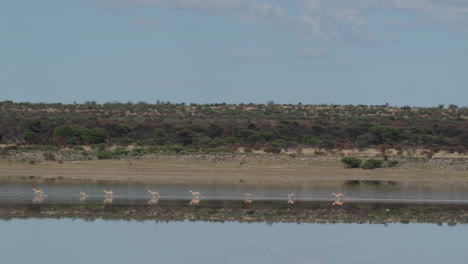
[[39, 196]]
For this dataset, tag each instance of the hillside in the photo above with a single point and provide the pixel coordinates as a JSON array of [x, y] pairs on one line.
[[228, 127]]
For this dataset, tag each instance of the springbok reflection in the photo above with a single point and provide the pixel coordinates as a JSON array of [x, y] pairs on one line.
[[38, 199], [83, 196], [195, 200], [153, 201], [338, 202], [108, 200], [337, 199], [39, 196], [290, 196]]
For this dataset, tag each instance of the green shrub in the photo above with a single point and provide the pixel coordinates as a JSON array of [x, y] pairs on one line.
[[351, 162], [372, 164], [229, 140], [121, 151], [49, 156], [95, 136], [106, 154], [312, 141], [392, 163], [278, 143]]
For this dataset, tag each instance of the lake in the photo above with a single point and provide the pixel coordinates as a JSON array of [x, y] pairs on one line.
[[377, 222]]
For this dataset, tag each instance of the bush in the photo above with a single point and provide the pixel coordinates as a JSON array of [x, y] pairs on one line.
[[106, 154], [49, 156], [351, 162], [392, 163], [372, 164]]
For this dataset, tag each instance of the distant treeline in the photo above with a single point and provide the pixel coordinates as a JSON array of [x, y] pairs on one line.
[[267, 126]]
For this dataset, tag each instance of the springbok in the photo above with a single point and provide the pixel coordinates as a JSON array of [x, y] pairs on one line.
[[83, 196], [248, 195], [195, 194], [154, 193], [38, 191], [109, 193], [337, 195]]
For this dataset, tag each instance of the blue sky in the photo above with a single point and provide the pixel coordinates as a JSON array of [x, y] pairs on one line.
[[289, 51]]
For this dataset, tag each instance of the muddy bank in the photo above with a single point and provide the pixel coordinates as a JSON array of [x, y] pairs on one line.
[[259, 211]]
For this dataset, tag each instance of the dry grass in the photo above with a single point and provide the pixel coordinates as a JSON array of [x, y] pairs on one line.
[[219, 169]]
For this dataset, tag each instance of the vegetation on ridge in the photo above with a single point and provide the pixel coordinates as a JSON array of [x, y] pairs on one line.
[[226, 127]]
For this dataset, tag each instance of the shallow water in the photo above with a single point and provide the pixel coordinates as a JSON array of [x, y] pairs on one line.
[[78, 241], [322, 191], [54, 231]]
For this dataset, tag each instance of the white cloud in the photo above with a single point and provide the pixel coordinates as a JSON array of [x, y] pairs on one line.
[[204, 5], [329, 19], [336, 19], [267, 10]]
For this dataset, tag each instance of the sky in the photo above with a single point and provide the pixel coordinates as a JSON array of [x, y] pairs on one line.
[[401, 52]]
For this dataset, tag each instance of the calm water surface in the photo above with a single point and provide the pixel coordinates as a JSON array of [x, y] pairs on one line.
[[414, 192], [79, 241], [68, 241]]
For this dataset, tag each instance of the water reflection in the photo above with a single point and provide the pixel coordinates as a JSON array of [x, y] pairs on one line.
[[228, 243], [195, 200], [338, 199], [12, 192], [39, 196], [290, 196], [234, 210], [83, 196], [248, 198], [38, 199], [108, 200], [338, 202], [153, 201]]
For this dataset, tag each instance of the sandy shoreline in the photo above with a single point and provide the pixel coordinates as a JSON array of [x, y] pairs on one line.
[[276, 170]]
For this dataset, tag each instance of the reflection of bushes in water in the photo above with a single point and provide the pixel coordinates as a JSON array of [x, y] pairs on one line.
[[258, 211], [370, 182]]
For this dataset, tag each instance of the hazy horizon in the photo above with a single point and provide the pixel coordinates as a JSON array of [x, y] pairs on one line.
[[241, 103]]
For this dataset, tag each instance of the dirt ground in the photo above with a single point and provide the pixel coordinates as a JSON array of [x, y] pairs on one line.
[[231, 169]]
